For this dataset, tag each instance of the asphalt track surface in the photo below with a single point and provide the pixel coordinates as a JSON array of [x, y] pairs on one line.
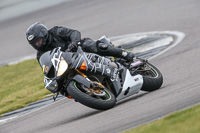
[[179, 66]]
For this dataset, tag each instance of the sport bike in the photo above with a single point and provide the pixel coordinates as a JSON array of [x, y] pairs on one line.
[[96, 81]]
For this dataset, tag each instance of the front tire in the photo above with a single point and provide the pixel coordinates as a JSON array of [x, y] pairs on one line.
[[74, 89]]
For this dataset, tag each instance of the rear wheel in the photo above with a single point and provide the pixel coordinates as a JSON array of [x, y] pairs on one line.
[[152, 77], [101, 99]]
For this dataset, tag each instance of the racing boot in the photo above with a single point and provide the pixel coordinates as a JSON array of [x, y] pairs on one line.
[[128, 55]]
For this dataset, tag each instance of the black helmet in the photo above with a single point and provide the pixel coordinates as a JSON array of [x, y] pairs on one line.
[[37, 35]]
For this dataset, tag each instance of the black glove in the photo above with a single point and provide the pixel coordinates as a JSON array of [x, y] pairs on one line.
[[72, 46]]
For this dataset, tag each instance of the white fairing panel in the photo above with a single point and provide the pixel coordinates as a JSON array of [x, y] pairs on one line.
[[132, 85]]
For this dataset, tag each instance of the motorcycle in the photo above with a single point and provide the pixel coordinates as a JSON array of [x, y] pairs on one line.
[[96, 81]]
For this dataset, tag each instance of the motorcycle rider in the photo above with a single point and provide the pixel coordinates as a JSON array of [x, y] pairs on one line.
[[42, 39]]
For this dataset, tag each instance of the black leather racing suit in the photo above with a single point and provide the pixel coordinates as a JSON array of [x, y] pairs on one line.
[[62, 37]]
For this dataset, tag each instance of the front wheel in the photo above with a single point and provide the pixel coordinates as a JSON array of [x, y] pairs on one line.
[[152, 77], [101, 99]]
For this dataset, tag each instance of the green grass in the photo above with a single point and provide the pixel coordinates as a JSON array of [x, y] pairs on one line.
[[20, 84], [186, 121]]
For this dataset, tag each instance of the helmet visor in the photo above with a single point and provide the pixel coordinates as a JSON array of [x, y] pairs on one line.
[[38, 42]]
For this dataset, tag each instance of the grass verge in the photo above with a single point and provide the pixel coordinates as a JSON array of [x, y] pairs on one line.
[[186, 121], [20, 84]]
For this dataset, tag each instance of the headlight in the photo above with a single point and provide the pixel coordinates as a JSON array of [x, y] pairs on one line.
[[53, 86], [62, 67]]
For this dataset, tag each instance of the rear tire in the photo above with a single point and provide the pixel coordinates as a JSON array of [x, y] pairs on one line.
[[92, 102], [152, 81]]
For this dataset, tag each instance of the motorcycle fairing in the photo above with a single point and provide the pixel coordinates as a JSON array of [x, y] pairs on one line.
[[131, 85], [93, 63], [45, 62]]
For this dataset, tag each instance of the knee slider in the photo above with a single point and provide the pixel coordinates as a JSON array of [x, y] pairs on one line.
[[89, 45], [103, 46]]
